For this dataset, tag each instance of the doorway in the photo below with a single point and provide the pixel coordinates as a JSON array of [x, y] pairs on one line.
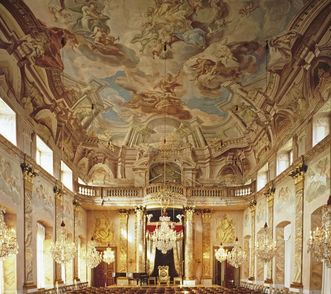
[[225, 274], [102, 275]]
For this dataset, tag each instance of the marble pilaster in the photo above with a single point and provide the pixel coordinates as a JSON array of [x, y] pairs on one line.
[[252, 206], [29, 271], [206, 247], [58, 193], [298, 174], [123, 242], [140, 250], [270, 199], [188, 262], [75, 238]]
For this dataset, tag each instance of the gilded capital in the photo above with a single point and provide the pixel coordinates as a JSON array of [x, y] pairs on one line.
[[252, 205], [58, 192], [124, 213], [270, 193], [189, 213], [298, 172], [206, 216], [28, 171]]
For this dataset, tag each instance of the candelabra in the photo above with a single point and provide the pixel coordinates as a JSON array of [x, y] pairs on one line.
[[221, 253], [93, 257], [319, 243], [265, 246], [8, 242], [237, 255], [63, 250]]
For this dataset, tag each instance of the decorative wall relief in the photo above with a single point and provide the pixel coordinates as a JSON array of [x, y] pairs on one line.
[[318, 178], [247, 222], [10, 179], [261, 212], [43, 196], [68, 212], [225, 231], [103, 231]]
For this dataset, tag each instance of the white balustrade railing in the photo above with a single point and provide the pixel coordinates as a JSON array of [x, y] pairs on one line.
[[189, 192]]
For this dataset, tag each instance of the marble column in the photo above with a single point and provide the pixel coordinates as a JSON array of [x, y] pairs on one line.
[[29, 270], [252, 206], [75, 238], [58, 193], [188, 262], [140, 248], [122, 264], [206, 247], [270, 199], [298, 174]]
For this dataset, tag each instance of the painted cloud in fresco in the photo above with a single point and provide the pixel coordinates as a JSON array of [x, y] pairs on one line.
[[210, 44]]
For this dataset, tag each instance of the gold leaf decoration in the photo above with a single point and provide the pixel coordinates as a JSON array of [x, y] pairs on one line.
[[225, 232], [104, 231]]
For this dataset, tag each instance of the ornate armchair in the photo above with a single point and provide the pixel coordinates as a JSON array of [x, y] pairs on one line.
[[163, 276]]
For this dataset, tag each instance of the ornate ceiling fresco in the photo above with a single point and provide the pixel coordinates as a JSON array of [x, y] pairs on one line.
[[207, 74], [128, 62]]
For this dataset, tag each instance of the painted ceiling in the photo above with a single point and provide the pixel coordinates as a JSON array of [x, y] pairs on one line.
[[128, 63]]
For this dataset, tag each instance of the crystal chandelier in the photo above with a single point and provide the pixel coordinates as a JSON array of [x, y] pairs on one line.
[[165, 235], [63, 250], [265, 246], [93, 257], [8, 242], [237, 255], [319, 243], [221, 253], [108, 255]]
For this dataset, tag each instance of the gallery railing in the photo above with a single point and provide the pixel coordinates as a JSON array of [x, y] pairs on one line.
[[189, 192]]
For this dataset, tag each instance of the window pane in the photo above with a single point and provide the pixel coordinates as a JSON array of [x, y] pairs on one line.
[[44, 155], [7, 122], [66, 176]]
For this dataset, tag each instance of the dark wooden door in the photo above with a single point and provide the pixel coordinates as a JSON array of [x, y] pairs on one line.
[[102, 274], [229, 275]]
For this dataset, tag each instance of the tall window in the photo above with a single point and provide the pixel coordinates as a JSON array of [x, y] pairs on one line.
[[284, 157], [7, 122], [66, 176], [321, 128], [262, 177], [44, 155], [40, 256]]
